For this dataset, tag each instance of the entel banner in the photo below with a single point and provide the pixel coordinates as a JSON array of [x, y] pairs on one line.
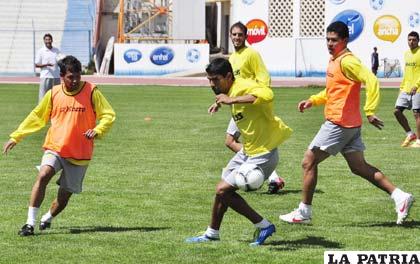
[[160, 59]]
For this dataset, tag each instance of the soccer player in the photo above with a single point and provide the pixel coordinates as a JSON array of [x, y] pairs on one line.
[[341, 131], [247, 63], [73, 108], [46, 59], [409, 96], [252, 108]]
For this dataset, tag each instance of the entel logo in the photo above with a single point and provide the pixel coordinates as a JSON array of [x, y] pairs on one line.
[[162, 56], [257, 31], [132, 55], [354, 20]]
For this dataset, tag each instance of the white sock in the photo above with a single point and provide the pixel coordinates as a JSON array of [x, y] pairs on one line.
[[47, 217], [409, 133], [273, 177], [32, 212], [418, 141], [305, 209], [397, 195], [263, 224], [210, 232]]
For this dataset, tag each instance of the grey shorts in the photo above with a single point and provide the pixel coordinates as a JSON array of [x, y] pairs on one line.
[[72, 175], [333, 138], [46, 84], [267, 162], [408, 101], [233, 130]]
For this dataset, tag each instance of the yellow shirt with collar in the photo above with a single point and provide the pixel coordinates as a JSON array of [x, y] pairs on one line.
[[261, 130], [247, 64]]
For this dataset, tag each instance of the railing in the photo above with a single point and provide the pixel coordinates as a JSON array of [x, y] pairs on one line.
[[18, 47]]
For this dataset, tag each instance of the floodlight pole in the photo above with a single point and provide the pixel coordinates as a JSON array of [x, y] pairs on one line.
[[120, 37]]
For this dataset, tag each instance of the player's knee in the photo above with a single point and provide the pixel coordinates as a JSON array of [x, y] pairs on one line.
[[398, 110], [356, 171], [221, 190], [45, 176], [308, 162]]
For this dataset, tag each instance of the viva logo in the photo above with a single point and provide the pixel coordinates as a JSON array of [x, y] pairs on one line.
[[257, 31], [132, 55]]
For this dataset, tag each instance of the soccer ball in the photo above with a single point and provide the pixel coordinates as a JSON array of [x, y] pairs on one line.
[[377, 4], [193, 55], [249, 177], [414, 19]]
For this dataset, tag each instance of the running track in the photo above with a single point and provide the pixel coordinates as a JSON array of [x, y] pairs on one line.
[[188, 81]]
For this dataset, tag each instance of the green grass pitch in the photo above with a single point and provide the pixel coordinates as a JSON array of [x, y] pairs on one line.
[[151, 185]]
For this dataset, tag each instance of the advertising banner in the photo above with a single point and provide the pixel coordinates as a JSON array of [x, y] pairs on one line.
[[383, 24], [160, 59]]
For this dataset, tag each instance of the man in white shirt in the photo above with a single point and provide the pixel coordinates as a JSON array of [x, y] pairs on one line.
[[46, 59]]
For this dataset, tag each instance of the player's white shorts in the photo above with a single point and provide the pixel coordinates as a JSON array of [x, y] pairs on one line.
[[333, 138], [408, 101], [267, 162]]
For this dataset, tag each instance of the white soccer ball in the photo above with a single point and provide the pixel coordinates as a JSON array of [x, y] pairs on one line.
[[414, 19], [249, 177], [377, 4]]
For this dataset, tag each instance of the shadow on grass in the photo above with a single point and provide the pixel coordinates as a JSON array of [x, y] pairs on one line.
[[312, 241], [408, 224], [286, 192], [112, 229]]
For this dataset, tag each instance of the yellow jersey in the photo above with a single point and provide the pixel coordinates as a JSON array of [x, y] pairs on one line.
[[247, 63], [411, 71], [261, 130]]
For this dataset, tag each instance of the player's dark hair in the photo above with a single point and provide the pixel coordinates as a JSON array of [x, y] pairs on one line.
[[241, 26], [48, 35], [340, 28], [414, 34], [219, 66], [69, 63]]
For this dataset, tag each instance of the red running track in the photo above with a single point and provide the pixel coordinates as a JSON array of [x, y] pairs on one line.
[[187, 81]]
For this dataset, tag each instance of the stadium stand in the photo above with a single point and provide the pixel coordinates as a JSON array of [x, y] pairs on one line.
[[24, 22]]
